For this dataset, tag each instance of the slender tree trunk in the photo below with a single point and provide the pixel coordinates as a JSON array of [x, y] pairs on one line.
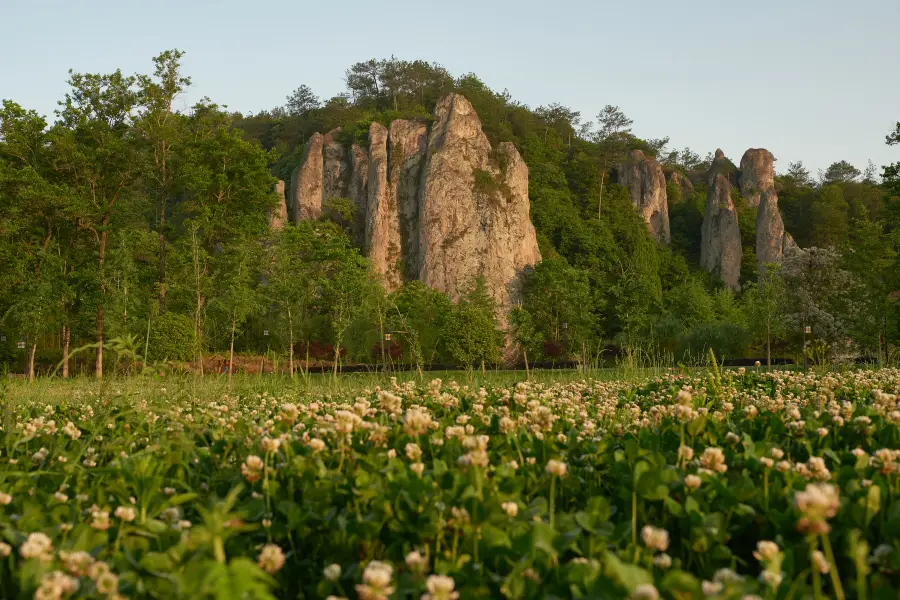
[[104, 236], [162, 263], [31, 352], [231, 350], [66, 333], [98, 365], [381, 331], [527, 372], [337, 353], [291, 349], [600, 203]]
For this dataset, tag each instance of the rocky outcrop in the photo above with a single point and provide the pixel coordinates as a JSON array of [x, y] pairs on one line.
[[644, 179], [408, 143], [306, 182], [720, 250], [757, 179], [336, 167], [437, 205], [757, 175], [682, 184], [279, 214], [473, 212], [383, 242], [357, 191]]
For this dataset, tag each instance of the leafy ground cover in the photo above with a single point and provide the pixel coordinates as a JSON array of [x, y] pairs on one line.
[[688, 485]]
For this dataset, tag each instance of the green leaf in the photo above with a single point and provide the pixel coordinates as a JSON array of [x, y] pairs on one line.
[[494, 537], [628, 576], [680, 581]]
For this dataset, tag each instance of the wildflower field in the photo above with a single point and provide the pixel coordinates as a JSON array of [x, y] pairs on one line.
[[737, 485]]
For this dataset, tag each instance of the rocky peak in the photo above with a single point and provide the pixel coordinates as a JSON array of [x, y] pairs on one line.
[[757, 179], [439, 205], [407, 150], [757, 175], [382, 218], [473, 211], [644, 179], [306, 182], [720, 250]]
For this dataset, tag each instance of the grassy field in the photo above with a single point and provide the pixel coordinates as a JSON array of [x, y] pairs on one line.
[[732, 484]]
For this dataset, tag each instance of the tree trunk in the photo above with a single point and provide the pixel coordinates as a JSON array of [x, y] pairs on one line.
[[527, 373], [231, 350], [66, 333], [104, 236], [291, 349], [98, 368], [162, 264], [337, 353], [31, 352], [600, 203]]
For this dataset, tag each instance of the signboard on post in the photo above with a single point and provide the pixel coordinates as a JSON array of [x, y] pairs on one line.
[[20, 345]]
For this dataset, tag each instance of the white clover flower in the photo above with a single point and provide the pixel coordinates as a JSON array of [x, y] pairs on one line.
[[271, 559], [440, 587], [558, 468], [333, 572], [655, 538]]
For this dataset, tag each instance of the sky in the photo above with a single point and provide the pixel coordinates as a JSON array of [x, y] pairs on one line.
[[811, 80]]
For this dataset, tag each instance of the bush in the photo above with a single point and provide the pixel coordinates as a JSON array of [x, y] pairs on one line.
[[172, 337], [726, 339]]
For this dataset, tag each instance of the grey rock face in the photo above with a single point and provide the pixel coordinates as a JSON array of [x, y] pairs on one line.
[[279, 215], [358, 190], [439, 206], [408, 143], [473, 214], [644, 179], [336, 168], [306, 182], [720, 250], [757, 175], [758, 188], [383, 245]]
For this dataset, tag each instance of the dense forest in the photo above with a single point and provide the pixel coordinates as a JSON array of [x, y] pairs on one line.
[[133, 231]]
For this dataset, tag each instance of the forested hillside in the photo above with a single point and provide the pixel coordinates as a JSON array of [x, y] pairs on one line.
[[129, 225]]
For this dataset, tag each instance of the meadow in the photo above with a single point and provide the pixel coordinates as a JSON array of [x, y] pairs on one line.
[[727, 484]]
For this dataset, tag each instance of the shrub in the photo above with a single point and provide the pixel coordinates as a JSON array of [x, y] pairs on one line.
[[172, 337]]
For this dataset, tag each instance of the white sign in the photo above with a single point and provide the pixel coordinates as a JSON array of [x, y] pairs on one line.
[[20, 345]]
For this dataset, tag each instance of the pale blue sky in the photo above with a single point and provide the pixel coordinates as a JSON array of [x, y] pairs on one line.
[[811, 80]]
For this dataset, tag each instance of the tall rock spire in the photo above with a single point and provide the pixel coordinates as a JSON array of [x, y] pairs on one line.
[[757, 180], [720, 250], [646, 182]]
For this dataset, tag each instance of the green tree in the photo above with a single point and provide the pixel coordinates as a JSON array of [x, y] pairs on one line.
[[301, 101], [840, 172], [765, 301], [557, 297], [161, 129], [890, 174], [97, 160], [419, 315], [471, 331], [236, 294]]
